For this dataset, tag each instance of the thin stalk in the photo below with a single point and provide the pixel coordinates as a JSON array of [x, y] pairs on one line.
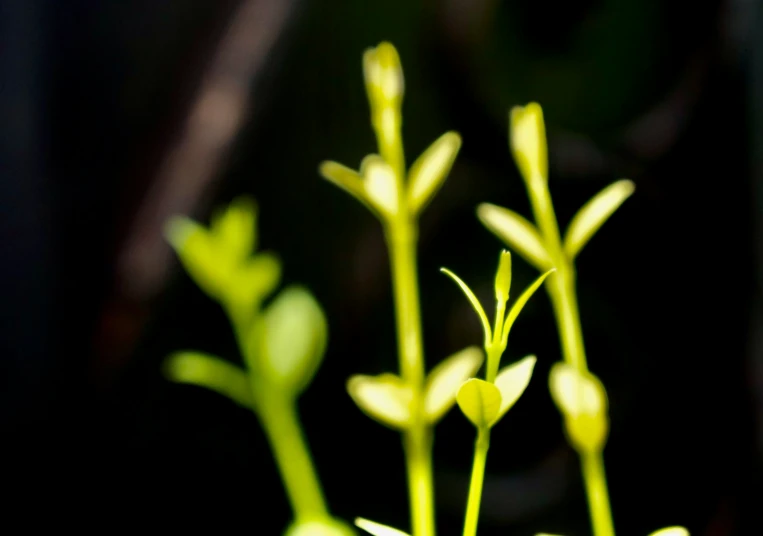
[[417, 440], [561, 289], [279, 419], [598, 496], [481, 447]]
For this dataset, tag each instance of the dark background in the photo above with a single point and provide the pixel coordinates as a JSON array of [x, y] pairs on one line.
[[118, 114]]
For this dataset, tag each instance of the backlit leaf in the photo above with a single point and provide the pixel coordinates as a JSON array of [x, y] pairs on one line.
[[208, 371], [444, 380], [385, 398], [516, 232], [480, 401]]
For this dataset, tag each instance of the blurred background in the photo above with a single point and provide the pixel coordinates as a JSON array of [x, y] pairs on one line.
[[117, 115]]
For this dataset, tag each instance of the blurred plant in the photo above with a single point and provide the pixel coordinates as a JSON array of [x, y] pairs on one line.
[[579, 395], [282, 346], [411, 402]]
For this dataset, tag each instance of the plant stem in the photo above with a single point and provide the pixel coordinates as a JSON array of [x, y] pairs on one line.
[[561, 289], [417, 441], [481, 447], [598, 496], [279, 419]]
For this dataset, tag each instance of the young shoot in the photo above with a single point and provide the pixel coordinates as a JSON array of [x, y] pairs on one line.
[[410, 401], [485, 402], [580, 396], [282, 345]]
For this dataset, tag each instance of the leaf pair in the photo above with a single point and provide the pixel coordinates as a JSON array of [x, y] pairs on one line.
[[485, 403], [582, 400], [377, 187], [524, 238], [290, 344], [221, 259], [387, 398], [496, 338]]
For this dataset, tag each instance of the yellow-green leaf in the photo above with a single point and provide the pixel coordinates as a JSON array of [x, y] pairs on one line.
[[518, 233], [377, 529], [593, 214], [380, 184], [480, 401], [528, 141], [199, 255], [345, 178], [385, 398], [671, 531], [429, 171], [233, 229], [512, 381], [518, 305], [444, 380], [473, 301], [294, 339], [208, 371]]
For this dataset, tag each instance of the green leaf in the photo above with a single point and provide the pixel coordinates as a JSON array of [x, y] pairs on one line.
[[444, 380], [234, 230], [198, 254], [512, 382], [346, 179], [380, 184], [474, 301], [294, 339], [518, 233], [518, 305], [671, 531], [385, 398], [377, 529], [593, 214], [480, 401], [208, 371], [430, 170]]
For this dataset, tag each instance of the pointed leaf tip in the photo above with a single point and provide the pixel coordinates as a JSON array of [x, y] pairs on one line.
[[475, 303], [430, 170], [377, 529], [593, 214], [517, 232]]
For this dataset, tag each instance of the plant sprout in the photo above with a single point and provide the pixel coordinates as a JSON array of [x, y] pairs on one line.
[[485, 402], [411, 402], [579, 395], [282, 346]]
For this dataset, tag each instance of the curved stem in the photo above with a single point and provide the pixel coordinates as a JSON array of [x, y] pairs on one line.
[[481, 447]]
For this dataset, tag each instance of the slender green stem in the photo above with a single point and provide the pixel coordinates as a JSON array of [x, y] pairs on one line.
[[481, 447], [279, 419], [598, 496], [561, 289], [417, 441]]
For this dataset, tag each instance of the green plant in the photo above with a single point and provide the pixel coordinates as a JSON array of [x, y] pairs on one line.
[[282, 346], [283, 342], [579, 395]]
